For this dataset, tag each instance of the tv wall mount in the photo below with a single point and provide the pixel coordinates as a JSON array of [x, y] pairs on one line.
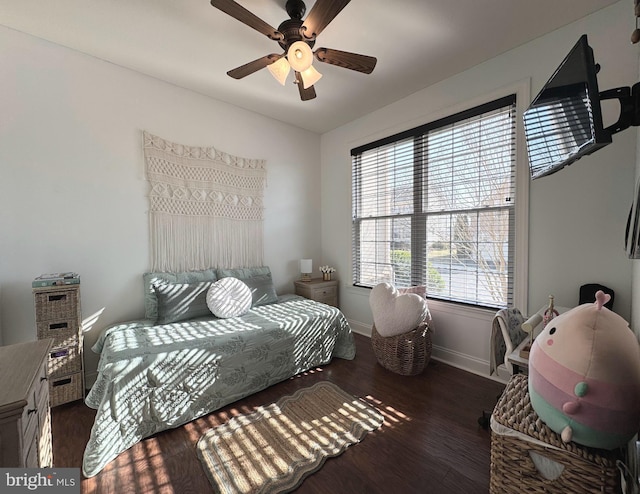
[[629, 98]]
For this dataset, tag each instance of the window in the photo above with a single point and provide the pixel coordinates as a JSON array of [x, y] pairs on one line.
[[435, 206]]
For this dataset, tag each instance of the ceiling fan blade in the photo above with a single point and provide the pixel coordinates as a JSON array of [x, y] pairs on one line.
[[251, 67], [305, 94], [321, 14], [353, 61], [238, 12]]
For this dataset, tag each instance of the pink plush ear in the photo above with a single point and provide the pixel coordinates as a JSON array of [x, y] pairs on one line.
[[602, 298]]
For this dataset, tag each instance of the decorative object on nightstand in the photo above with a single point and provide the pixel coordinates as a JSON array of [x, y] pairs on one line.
[[59, 317], [25, 417], [306, 268], [318, 290], [327, 271]]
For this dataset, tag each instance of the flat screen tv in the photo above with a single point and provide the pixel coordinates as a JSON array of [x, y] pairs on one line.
[[564, 121]]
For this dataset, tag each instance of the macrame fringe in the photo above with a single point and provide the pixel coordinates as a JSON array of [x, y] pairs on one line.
[[195, 243]]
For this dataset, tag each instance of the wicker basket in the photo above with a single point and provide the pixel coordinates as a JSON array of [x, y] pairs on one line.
[[65, 389], [584, 469], [63, 361], [63, 333], [406, 353], [57, 303]]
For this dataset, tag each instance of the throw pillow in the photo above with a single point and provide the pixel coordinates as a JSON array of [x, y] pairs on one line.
[[150, 298], [258, 280], [180, 301], [228, 297], [395, 314]]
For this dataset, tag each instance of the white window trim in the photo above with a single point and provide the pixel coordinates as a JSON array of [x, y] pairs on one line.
[[521, 271]]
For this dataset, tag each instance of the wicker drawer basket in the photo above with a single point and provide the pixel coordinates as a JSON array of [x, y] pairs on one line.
[[583, 470], [63, 333], [59, 317], [64, 389], [57, 305], [406, 354], [63, 361]]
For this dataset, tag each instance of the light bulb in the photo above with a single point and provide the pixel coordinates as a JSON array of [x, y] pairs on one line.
[[300, 56]]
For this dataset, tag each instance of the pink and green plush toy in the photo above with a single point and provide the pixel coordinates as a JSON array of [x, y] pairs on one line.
[[584, 376]]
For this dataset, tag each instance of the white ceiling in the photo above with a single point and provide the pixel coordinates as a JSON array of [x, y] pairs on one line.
[[192, 45]]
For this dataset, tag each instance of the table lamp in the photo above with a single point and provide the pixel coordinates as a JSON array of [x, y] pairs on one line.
[[306, 268]]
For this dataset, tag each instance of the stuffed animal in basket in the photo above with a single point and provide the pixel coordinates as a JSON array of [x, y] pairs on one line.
[[584, 376]]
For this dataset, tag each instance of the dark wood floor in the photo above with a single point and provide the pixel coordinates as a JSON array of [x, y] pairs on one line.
[[430, 441]]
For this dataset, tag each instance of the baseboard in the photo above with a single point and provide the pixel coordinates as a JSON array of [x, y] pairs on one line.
[[360, 328], [467, 363]]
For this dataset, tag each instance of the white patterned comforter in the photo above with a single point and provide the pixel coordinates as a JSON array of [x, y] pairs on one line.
[[152, 378]]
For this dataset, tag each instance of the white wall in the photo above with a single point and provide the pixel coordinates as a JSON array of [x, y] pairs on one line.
[[577, 216], [73, 191]]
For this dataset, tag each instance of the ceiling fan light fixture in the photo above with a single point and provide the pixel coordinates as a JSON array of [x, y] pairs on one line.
[[280, 70], [296, 37], [300, 56], [310, 77]]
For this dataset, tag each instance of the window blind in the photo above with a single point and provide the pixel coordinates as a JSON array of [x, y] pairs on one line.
[[435, 206]]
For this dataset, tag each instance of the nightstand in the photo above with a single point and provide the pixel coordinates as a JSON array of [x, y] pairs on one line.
[[319, 290]]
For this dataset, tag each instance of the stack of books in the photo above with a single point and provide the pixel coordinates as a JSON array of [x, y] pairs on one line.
[[56, 279]]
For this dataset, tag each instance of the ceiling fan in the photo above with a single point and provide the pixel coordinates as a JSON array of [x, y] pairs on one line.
[[296, 37]]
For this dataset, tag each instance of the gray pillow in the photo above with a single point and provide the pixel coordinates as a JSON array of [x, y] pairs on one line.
[[258, 280], [150, 298], [181, 301]]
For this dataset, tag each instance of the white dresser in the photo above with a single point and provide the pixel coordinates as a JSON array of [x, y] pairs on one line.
[[25, 416]]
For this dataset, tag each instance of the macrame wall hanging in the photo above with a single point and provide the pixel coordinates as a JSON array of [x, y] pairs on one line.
[[205, 207]]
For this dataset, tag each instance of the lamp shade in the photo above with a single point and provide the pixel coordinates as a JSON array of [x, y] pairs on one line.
[[300, 56], [306, 265], [310, 77], [280, 70]]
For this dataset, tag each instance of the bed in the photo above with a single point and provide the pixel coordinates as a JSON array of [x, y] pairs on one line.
[[180, 363]]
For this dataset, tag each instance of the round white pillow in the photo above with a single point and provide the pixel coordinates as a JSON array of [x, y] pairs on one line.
[[228, 297]]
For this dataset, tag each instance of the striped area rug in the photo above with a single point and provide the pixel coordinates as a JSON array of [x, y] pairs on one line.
[[273, 449]]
